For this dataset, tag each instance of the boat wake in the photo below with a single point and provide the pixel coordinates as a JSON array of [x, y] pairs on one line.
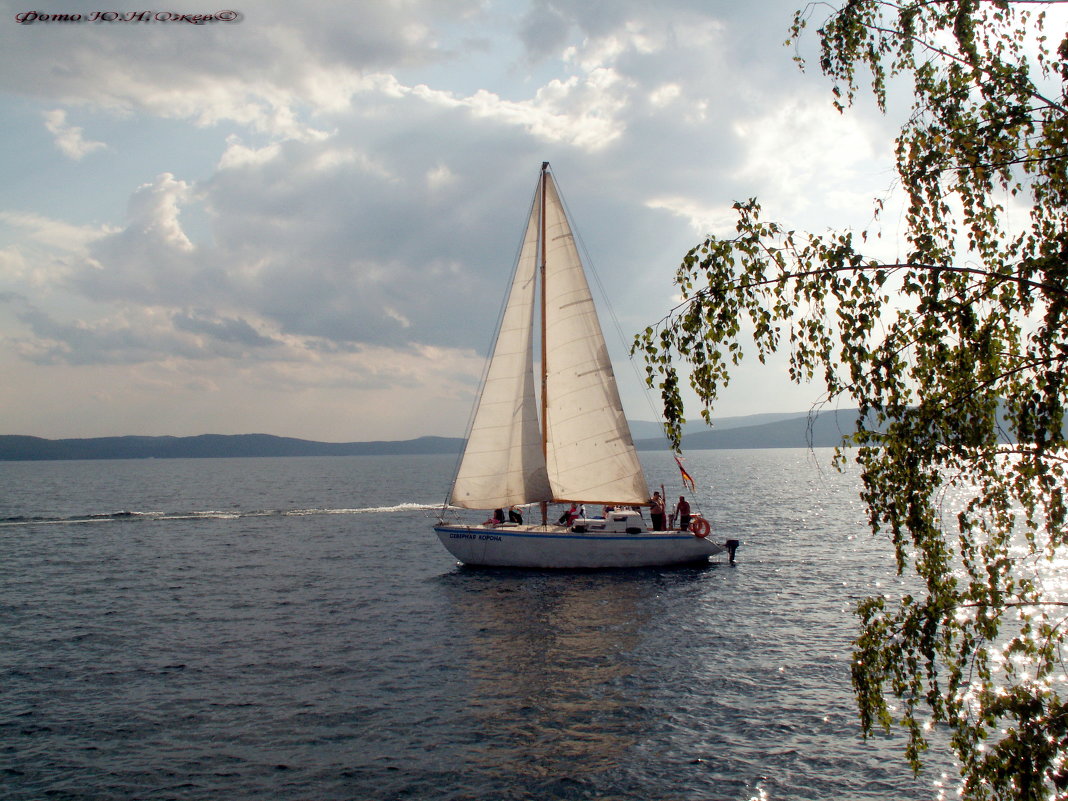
[[125, 516]]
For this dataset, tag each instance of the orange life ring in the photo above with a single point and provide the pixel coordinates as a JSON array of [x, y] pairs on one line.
[[699, 526]]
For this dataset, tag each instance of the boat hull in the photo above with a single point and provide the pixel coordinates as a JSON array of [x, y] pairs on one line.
[[548, 547]]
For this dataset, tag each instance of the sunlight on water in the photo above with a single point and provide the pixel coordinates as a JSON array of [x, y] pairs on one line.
[[1035, 586], [292, 629]]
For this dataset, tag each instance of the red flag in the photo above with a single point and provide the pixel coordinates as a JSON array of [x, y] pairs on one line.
[[687, 479]]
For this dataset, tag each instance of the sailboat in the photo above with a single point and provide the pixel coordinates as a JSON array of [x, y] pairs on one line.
[[559, 436]]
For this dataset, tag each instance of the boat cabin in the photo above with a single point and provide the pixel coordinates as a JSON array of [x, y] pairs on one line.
[[620, 521]]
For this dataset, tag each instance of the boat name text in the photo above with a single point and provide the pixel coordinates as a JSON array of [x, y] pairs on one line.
[[456, 535]]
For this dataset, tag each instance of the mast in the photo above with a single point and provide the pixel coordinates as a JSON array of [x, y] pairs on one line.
[[544, 370]]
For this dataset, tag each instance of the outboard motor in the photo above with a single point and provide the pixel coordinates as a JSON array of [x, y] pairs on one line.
[[732, 546]]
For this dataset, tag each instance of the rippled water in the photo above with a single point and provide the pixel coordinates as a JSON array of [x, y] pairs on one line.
[[292, 629]]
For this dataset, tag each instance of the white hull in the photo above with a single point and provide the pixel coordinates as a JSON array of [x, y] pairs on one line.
[[559, 547]]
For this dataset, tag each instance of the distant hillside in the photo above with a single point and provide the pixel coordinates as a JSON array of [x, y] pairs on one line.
[[19, 448], [644, 429], [824, 429], [798, 430], [757, 431], [821, 430]]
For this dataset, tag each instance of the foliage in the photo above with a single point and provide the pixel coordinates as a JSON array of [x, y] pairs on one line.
[[956, 357]]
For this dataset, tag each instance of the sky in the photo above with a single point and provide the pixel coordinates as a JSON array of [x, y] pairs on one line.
[[301, 221]]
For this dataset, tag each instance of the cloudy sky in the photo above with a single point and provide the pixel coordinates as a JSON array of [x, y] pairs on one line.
[[301, 222]]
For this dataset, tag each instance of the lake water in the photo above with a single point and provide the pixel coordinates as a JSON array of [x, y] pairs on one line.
[[293, 629]]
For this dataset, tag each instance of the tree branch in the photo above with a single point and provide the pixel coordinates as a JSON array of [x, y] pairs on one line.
[[1028, 89], [859, 268]]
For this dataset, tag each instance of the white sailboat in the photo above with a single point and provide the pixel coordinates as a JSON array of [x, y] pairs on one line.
[[580, 452]]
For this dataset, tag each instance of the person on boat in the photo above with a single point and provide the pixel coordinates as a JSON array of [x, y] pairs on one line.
[[656, 511], [514, 515], [568, 517], [497, 519], [682, 514]]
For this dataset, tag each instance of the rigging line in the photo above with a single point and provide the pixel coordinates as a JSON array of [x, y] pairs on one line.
[[493, 343]]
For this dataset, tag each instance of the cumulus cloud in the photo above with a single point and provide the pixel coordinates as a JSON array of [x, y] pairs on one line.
[[45, 251], [703, 219], [154, 210], [69, 138], [116, 339], [823, 148], [229, 330], [55, 233], [238, 154], [150, 259], [260, 72]]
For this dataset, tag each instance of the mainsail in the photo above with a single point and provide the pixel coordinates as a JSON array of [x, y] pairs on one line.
[[588, 452]]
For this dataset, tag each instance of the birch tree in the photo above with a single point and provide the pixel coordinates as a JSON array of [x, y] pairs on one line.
[[955, 355]]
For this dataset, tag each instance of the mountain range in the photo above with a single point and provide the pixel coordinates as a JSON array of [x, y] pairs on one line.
[[797, 430]]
